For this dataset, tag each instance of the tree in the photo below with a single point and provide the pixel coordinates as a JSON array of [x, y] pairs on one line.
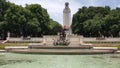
[[54, 27], [42, 16], [3, 7], [32, 20], [97, 22]]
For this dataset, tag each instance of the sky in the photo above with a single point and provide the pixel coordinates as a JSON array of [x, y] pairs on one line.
[[55, 7]]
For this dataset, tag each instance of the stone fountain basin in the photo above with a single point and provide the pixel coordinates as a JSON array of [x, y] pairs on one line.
[[36, 49], [60, 47], [61, 51]]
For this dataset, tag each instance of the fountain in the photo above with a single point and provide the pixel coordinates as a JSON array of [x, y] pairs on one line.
[[61, 45], [64, 43], [62, 40]]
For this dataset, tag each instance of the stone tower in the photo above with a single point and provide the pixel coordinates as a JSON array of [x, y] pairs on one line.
[[67, 18]]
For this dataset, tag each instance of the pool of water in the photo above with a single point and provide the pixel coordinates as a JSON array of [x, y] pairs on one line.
[[12, 60]]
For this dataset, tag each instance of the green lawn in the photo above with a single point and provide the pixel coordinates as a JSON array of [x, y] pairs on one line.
[[119, 47]]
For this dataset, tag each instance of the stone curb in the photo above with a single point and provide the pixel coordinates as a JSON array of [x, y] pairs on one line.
[[15, 47], [114, 48], [2, 50]]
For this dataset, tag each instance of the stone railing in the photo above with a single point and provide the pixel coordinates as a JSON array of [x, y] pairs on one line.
[[92, 39], [74, 39], [20, 39]]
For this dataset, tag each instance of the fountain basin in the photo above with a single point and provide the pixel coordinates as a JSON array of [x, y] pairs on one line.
[[61, 51]]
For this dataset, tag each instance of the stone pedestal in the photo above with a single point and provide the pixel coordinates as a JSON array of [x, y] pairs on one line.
[[8, 35]]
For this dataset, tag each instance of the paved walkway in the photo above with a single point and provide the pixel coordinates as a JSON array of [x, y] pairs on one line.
[[113, 48], [1, 41], [16, 47], [2, 50], [118, 51]]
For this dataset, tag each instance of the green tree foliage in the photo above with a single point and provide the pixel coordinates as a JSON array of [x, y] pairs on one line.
[[97, 22], [55, 27], [32, 20], [3, 7], [41, 15]]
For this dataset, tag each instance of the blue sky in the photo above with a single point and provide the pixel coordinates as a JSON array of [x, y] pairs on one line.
[[55, 7]]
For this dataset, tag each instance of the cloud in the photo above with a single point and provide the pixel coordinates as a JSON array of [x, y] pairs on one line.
[[55, 7], [118, 6]]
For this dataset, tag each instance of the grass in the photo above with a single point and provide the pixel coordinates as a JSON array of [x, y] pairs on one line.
[[2, 46], [119, 47]]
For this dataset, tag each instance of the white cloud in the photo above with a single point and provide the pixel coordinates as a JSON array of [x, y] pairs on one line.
[[54, 7], [118, 6]]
